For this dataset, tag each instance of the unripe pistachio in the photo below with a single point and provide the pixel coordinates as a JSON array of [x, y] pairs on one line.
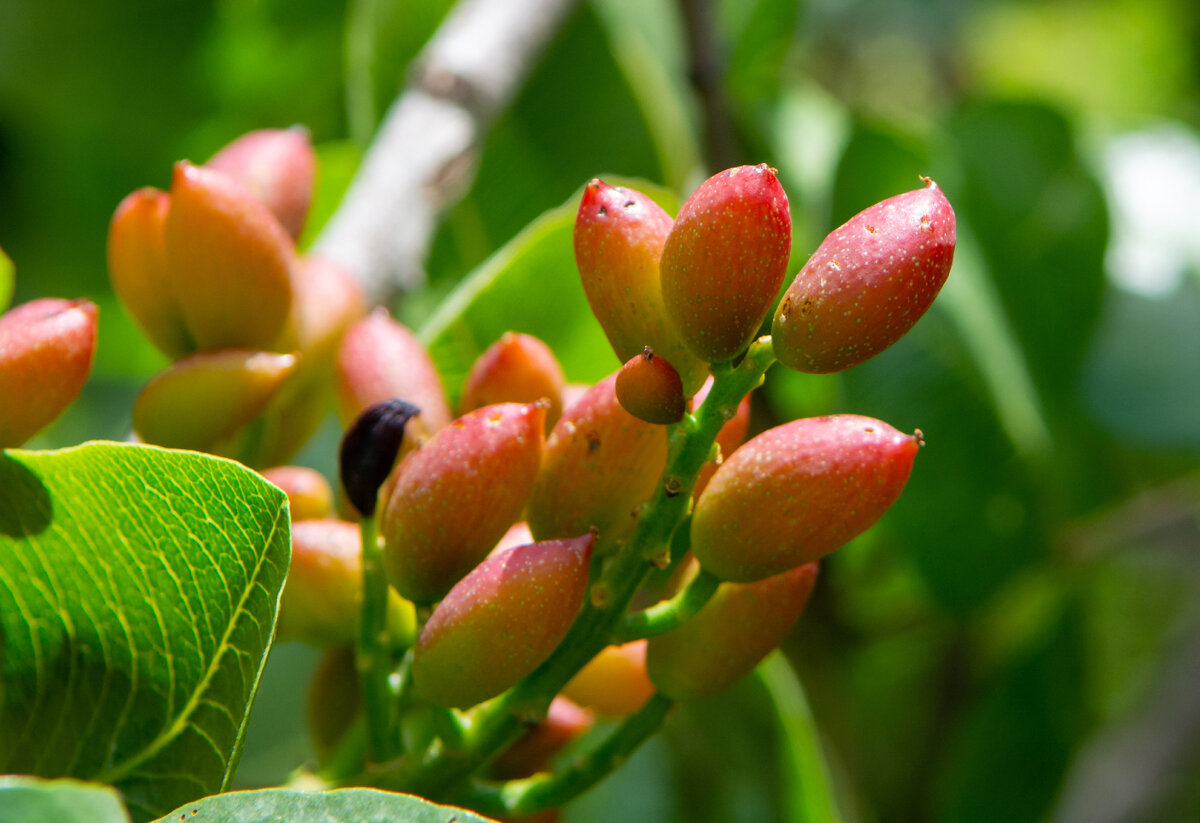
[[614, 683], [278, 167], [46, 349], [731, 435], [501, 621], [378, 359], [229, 261], [601, 464], [201, 401], [137, 268], [797, 492], [517, 368], [867, 284], [725, 259], [532, 751], [619, 236], [454, 497], [727, 638], [6, 281], [322, 596], [309, 494], [649, 388], [334, 700]]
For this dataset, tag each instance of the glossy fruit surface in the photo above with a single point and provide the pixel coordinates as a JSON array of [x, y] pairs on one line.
[[601, 463], [727, 638], [229, 262], [724, 260], [501, 621], [867, 284], [619, 237], [517, 368], [649, 388], [614, 682], [309, 494], [455, 497], [277, 166], [46, 350], [797, 492]]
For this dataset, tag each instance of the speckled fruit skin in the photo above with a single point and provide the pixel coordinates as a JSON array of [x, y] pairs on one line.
[[797, 492], [229, 262], [649, 388], [725, 259], [379, 358], [517, 368], [601, 463], [277, 166], [614, 682], [201, 401], [867, 284], [455, 497], [46, 349], [501, 621], [727, 638], [619, 237], [137, 269]]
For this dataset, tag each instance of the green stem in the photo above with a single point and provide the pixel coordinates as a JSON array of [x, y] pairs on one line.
[[670, 614], [374, 648], [500, 721], [549, 791]]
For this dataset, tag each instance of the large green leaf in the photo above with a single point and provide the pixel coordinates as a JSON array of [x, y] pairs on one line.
[[138, 590], [340, 806], [34, 800]]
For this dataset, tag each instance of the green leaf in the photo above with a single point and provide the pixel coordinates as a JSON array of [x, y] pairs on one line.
[[7, 275], [808, 795], [530, 285], [34, 800], [138, 591], [340, 806]]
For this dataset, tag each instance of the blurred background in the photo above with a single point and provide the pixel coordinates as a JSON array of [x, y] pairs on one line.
[[1019, 639]]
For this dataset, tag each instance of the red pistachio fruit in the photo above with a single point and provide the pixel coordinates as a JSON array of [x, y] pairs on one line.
[[517, 368], [379, 359], [454, 497], [229, 262], [46, 349], [619, 237], [501, 621], [649, 388], [797, 492], [278, 167], [725, 259], [137, 268], [201, 401], [727, 638], [867, 284], [309, 494], [601, 464]]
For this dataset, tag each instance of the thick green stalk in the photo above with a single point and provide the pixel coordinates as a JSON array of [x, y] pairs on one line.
[[500, 721], [670, 614], [373, 658], [549, 791]]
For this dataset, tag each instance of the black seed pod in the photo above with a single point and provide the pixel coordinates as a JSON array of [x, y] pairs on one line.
[[369, 449]]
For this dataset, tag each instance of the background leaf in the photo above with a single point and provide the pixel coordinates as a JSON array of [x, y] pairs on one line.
[[34, 800], [138, 598], [341, 806]]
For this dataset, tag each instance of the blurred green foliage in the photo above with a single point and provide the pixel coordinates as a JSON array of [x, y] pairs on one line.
[[1019, 637]]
